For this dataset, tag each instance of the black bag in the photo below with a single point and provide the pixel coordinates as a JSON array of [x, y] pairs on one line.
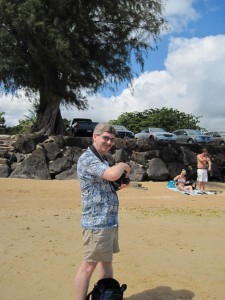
[[107, 289]]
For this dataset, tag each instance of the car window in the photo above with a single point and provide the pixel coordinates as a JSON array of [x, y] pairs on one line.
[[156, 130], [193, 132]]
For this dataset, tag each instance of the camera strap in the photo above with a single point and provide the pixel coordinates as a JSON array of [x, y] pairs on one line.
[[102, 158]]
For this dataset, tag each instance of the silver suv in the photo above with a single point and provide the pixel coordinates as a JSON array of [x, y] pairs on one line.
[[157, 134], [191, 136], [218, 137]]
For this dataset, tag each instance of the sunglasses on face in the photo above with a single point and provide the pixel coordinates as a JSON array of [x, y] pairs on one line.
[[107, 138]]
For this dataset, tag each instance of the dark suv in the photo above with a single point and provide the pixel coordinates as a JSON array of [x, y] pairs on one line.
[[123, 132]]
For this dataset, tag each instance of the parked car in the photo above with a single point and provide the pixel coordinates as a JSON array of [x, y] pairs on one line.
[[218, 137], [123, 132], [157, 134], [81, 127], [191, 136]]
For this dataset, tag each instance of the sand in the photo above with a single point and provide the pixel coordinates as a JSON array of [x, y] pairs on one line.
[[172, 245]]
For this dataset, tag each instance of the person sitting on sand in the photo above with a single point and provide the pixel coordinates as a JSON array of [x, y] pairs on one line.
[[181, 182]]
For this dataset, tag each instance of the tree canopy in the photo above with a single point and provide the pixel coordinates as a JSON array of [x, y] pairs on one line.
[[168, 118], [59, 48]]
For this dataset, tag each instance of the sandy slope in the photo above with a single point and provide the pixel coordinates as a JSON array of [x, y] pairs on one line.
[[172, 245]]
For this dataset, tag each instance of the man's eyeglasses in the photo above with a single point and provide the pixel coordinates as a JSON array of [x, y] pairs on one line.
[[106, 138]]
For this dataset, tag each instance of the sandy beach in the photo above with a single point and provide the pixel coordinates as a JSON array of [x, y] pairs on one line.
[[172, 245]]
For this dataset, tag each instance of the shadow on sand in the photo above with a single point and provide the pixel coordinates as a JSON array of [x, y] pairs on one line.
[[162, 293]]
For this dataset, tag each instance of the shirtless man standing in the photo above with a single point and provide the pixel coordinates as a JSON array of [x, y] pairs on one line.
[[203, 165]]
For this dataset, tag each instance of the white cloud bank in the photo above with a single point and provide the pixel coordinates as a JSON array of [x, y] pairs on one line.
[[192, 82]]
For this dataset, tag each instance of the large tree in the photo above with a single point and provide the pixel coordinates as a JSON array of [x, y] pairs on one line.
[[167, 118], [59, 48]]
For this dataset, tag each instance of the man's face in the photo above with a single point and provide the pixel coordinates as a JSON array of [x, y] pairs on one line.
[[205, 153], [103, 142]]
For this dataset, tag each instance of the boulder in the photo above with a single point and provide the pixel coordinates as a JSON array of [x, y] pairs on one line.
[[52, 150], [5, 171], [157, 170], [68, 174], [33, 167], [60, 165], [138, 173]]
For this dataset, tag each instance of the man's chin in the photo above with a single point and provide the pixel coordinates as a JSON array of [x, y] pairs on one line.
[[105, 149]]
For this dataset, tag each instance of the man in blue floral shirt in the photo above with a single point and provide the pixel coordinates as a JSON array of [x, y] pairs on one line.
[[99, 208]]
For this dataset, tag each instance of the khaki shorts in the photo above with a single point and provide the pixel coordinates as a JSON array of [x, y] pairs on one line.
[[99, 245]]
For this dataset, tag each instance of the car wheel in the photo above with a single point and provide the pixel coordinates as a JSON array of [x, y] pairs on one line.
[[190, 141], [151, 138]]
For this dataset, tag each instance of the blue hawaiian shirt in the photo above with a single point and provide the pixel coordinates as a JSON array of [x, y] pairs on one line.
[[99, 200]]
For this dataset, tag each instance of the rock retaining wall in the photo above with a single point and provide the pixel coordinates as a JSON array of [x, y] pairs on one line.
[[55, 157]]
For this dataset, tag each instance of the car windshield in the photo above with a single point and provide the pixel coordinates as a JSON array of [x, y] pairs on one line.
[[119, 127], [193, 132], [157, 130]]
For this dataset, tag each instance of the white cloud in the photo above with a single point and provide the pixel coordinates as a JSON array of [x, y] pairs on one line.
[[192, 82], [179, 13], [15, 108]]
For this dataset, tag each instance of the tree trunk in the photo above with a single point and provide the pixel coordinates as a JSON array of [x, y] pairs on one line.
[[49, 119]]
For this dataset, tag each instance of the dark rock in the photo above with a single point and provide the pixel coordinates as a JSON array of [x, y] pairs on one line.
[[27, 143], [145, 145], [59, 140], [157, 170], [80, 142], [138, 173], [59, 165], [187, 157], [5, 171], [144, 157], [110, 159], [73, 153], [33, 167], [52, 150], [121, 155], [174, 168], [168, 153], [68, 174]]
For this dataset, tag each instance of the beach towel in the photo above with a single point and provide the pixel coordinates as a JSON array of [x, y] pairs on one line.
[[171, 185]]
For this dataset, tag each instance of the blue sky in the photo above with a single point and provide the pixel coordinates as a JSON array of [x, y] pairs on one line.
[[186, 72]]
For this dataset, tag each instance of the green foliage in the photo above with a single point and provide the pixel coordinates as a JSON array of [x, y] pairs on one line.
[[168, 118], [66, 122], [2, 122], [2, 119], [59, 48]]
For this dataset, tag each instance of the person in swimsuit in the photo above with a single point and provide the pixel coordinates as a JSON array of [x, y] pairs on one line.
[[203, 165], [181, 182]]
